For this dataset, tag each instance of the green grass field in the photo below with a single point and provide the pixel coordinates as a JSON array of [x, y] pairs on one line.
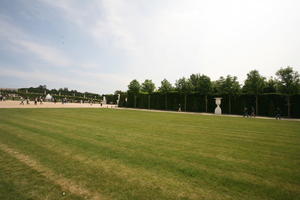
[[125, 154]]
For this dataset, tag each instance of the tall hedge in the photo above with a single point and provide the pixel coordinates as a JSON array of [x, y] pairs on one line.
[[195, 102]]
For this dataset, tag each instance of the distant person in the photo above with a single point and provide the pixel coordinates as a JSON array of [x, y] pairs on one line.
[[22, 101], [246, 112], [179, 108], [35, 101], [278, 113], [252, 112], [27, 101]]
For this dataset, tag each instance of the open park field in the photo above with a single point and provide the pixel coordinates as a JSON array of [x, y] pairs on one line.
[[57, 153]]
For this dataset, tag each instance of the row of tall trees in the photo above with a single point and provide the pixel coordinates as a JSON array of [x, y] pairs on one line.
[[42, 90], [286, 81]]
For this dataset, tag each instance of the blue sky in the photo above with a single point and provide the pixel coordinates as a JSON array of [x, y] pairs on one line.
[[101, 45]]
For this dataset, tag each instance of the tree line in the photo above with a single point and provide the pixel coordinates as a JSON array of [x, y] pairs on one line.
[[286, 82]]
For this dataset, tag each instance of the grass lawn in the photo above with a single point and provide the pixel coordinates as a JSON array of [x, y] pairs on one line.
[[125, 154]]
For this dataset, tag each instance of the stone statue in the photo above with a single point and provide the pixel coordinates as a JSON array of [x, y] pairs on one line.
[[104, 100], [218, 110]]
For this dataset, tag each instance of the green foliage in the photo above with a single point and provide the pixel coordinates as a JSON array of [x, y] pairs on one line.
[[111, 98], [183, 85], [231, 104], [165, 87], [228, 85], [42, 90], [134, 87], [201, 83], [119, 92], [255, 83], [289, 81], [148, 86], [271, 86]]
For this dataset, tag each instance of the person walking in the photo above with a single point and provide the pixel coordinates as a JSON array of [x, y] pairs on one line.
[[22, 101], [278, 113], [252, 112], [246, 112], [179, 108]]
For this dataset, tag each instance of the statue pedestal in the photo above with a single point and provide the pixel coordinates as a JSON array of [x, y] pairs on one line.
[[218, 110]]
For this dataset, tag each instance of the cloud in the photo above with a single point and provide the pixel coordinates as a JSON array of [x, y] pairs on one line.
[[166, 39], [46, 53], [21, 41], [42, 76]]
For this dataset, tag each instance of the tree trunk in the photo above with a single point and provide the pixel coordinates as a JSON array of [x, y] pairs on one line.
[[166, 102], [205, 103], [135, 101], [256, 102], [289, 105], [185, 102], [229, 101], [149, 101]]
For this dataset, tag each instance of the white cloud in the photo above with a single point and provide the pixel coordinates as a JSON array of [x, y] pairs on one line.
[[21, 42], [46, 53], [51, 78], [174, 38]]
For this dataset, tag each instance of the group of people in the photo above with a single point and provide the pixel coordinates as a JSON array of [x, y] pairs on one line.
[[27, 100], [24, 99], [249, 113], [2, 98]]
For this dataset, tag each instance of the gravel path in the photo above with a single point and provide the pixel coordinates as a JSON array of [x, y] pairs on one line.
[[16, 104]]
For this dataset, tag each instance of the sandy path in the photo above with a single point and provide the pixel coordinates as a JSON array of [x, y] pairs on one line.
[[16, 104]]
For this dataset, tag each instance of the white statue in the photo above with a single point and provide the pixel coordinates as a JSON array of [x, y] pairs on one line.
[[104, 100], [218, 110], [118, 100]]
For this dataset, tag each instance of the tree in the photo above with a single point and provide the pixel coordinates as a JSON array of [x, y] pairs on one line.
[[134, 87], [271, 86], [184, 86], [165, 87], [228, 86], [254, 84], [289, 83], [148, 87], [119, 92], [201, 84]]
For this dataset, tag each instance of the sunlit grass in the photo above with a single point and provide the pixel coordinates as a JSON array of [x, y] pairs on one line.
[[123, 154]]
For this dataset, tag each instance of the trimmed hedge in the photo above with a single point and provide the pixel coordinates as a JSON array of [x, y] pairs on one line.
[[75, 99], [195, 102]]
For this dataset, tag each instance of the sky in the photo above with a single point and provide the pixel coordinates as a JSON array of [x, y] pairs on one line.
[[101, 45]]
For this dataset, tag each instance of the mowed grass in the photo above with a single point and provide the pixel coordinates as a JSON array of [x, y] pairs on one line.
[[126, 154]]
